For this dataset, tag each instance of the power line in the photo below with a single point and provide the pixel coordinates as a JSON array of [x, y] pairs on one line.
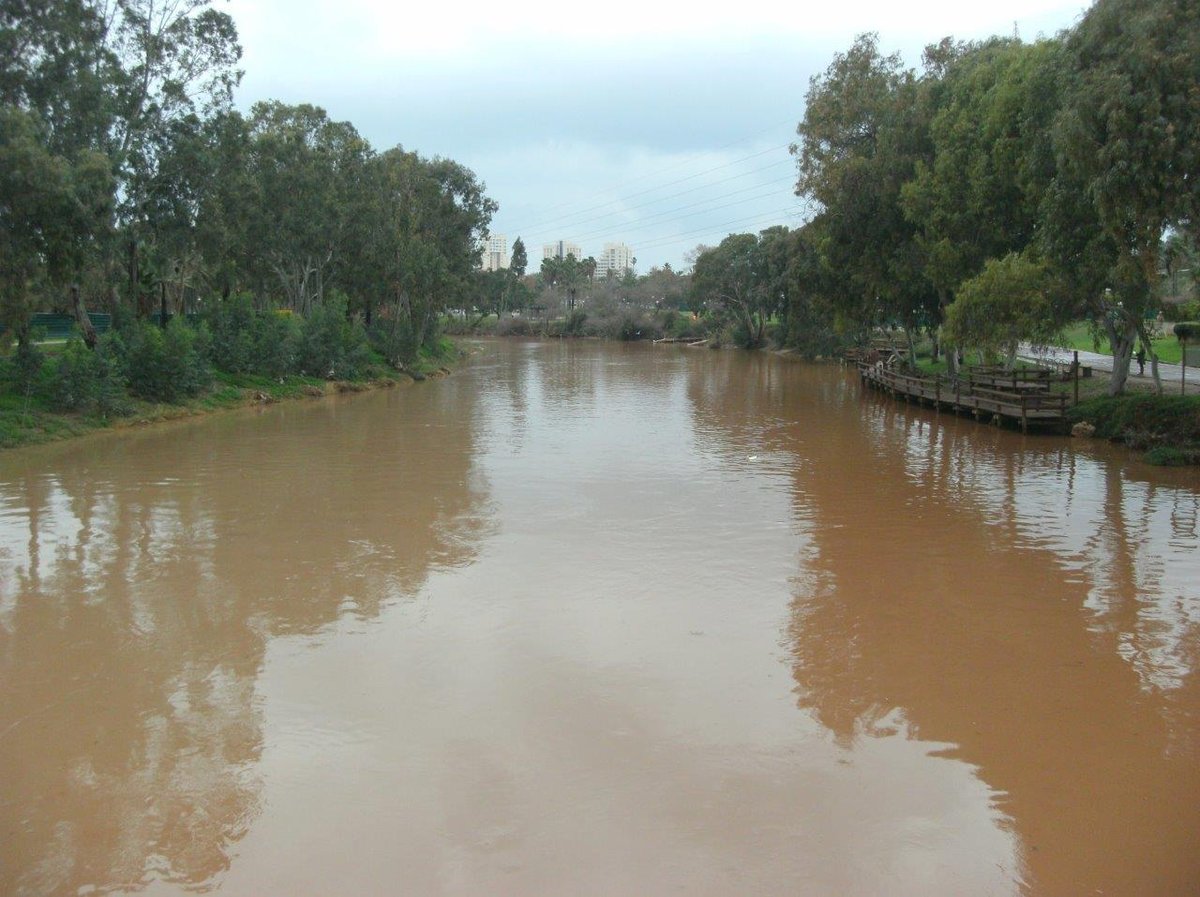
[[621, 184], [679, 238], [557, 222], [641, 226], [735, 177]]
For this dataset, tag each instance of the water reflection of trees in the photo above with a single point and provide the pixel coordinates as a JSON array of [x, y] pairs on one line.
[[141, 578], [1029, 607]]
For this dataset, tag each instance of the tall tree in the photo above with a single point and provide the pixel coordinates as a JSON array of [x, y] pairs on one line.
[[117, 77], [563, 276], [735, 277], [1128, 144], [977, 196], [860, 139], [520, 260], [428, 217], [306, 169], [53, 212], [55, 62]]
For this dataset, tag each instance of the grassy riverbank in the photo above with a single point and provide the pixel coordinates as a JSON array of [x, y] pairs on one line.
[[30, 416], [1167, 428]]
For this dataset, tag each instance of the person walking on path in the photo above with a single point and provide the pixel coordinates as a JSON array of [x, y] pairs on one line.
[[1141, 360]]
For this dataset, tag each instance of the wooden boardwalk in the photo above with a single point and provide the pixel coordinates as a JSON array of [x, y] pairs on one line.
[[1027, 405]]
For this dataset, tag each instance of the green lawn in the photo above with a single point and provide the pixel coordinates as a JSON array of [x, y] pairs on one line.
[[1079, 336]]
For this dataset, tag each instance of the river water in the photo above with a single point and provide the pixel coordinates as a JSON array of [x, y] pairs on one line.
[[598, 620]]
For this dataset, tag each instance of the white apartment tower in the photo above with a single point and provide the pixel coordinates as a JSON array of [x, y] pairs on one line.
[[617, 258], [495, 253], [561, 249]]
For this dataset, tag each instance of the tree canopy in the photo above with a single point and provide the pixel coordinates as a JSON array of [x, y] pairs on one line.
[[127, 170]]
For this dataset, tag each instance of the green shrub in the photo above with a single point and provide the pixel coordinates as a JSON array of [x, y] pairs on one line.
[[1186, 311], [575, 323], [332, 346], [1169, 426], [232, 347], [163, 365], [393, 338], [681, 325], [247, 341], [86, 380], [26, 365], [517, 327], [628, 326], [1173, 456]]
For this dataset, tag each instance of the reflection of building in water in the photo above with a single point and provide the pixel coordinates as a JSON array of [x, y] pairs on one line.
[[140, 581]]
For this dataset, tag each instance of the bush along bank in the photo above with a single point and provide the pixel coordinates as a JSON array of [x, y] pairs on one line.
[[233, 356], [1166, 428], [619, 324]]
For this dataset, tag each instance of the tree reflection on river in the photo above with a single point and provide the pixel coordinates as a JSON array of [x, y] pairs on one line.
[[544, 626], [141, 579], [1032, 608]]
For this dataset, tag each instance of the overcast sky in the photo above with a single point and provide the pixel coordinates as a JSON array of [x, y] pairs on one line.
[[658, 125]]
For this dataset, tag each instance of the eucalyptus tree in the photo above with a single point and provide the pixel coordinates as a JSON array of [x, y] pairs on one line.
[[734, 278], [976, 197], [1128, 149], [306, 170], [427, 219], [118, 78], [1178, 255], [860, 139], [810, 322], [55, 62], [53, 213], [1007, 302]]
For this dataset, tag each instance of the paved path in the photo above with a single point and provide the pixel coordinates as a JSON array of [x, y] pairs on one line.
[[1168, 373]]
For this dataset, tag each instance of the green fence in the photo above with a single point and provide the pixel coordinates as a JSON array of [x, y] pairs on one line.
[[55, 326]]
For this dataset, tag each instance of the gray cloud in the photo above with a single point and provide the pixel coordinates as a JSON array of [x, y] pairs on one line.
[[558, 127]]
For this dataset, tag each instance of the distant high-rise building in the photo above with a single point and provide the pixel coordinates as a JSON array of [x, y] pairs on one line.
[[561, 249], [617, 258], [495, 253]]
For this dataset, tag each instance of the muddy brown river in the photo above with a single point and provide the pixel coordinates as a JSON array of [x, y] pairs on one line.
[[598, 620]]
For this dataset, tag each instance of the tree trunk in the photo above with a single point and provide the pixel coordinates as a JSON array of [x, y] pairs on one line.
[[81, 317], [133, 271], [1121, 337], [162, 305], [951, 352]]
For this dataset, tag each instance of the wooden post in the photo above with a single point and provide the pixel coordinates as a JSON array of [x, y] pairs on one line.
[[1075, 369], [1183, 365], [1024, 416]]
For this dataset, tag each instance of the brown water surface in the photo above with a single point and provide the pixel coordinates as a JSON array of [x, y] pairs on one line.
[[598, 620]]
